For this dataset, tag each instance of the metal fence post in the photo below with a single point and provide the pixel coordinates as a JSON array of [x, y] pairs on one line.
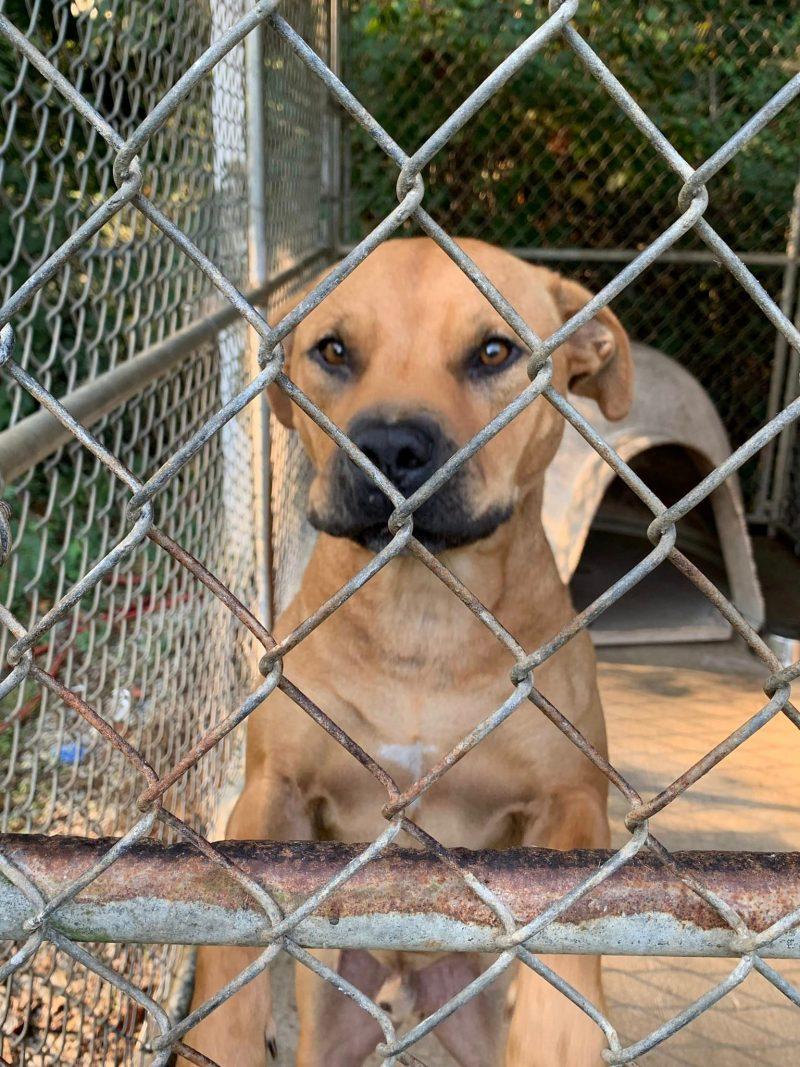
[[258, 260], [332, 159], [771, 473]]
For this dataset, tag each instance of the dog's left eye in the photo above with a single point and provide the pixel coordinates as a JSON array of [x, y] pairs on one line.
[[494, 354], [331, 351]]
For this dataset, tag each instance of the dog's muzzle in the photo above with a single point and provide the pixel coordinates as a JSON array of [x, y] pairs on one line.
[[408, 452]]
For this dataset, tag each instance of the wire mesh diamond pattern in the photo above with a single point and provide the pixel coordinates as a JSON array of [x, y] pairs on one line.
[[147, 520]]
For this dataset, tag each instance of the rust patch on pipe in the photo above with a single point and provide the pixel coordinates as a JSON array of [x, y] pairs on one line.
[[762, 887]]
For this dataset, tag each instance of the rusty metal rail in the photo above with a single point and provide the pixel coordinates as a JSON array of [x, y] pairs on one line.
[[403, 900], [59, 892]]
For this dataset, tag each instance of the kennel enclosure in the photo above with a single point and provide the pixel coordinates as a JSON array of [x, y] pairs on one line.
[[170, 172]]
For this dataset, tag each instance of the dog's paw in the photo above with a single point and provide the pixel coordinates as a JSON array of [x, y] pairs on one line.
[[271, 1042], [511, 999], [396, 997]]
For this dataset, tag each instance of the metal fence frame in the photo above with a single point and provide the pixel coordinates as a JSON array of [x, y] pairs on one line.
[[44, 877]]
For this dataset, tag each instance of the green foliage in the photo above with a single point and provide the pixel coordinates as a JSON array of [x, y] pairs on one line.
[[54, 172], [551, 160]]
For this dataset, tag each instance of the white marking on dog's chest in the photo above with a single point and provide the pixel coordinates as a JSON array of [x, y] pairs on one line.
[[410, 757]]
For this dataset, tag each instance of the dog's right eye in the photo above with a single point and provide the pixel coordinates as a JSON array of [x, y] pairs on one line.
[[331, 352]]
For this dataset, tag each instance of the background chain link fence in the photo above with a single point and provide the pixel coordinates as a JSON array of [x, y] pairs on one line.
[[129, 662], [131, 648], [596, 193]]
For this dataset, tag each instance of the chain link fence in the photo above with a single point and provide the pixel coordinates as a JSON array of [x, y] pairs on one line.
[[180, 135], [597, 194], [129, 312]]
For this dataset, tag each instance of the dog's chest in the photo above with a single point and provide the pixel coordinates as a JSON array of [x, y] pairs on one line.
[[410, 758], [409, 735], [410, 728]]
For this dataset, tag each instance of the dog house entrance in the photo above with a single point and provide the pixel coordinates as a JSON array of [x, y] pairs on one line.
[[665, 606]]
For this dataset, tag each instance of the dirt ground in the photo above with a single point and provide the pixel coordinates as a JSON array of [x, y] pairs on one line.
[[666, 707]]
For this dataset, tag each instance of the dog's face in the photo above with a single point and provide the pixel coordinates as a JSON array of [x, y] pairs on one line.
[[411, 361]]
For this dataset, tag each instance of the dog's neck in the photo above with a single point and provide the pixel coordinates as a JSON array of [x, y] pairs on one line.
[[414, 618]]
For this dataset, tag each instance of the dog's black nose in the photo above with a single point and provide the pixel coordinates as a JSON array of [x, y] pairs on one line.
[[407, 452]]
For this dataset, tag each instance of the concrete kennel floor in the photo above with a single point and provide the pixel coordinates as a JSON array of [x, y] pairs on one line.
[[666, 707]]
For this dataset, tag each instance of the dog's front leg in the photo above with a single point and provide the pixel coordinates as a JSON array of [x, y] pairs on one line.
[[546, 1028], [241, 1031], [334, 1030], [473, 1034]]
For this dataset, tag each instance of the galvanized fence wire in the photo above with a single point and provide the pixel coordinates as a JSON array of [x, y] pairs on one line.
[[128, 648], [166, 1036], [599, 192]]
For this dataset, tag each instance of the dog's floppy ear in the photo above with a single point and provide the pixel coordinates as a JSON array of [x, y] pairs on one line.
[[279, 402], [600, 364]]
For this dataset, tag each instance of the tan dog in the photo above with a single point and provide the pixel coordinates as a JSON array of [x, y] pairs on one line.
[[410, 359]]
